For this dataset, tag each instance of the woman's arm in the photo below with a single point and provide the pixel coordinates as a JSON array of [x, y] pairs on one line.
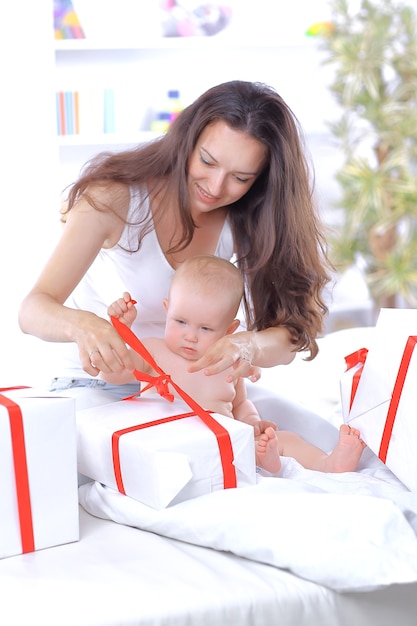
[[43, 314], [243, 350]]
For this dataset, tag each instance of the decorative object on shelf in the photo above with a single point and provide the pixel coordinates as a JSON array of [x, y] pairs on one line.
[[66, 22], [372, 49], [169, 112], [161, 123], [174, 104], [322, 29], [194, 19]]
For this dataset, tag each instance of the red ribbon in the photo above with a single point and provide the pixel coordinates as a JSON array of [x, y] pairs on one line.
[[20, 471], [352, 360], [161, 383], [396, 396]]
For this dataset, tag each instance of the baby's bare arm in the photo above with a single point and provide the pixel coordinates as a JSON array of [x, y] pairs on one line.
[[124, 310], [245, 411]]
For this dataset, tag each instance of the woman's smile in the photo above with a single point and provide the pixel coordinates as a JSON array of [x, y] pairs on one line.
[[205, 195]]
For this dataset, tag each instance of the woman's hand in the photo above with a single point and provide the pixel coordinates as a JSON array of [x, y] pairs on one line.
[[232, 351], [100, 346], [245, 352]]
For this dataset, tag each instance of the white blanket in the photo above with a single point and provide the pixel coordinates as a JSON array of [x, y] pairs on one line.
[[349, 532]]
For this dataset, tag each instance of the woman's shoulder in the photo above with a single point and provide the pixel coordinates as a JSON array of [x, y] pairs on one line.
[[110, 195]]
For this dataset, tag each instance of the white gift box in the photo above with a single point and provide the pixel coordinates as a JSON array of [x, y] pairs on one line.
[[38, 469], [160, 464], [384, 405]]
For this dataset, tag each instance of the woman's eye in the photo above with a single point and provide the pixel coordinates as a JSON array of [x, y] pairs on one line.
[[242, 180], [204, 160]]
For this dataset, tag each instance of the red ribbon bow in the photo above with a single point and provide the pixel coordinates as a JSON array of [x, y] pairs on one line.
[[160, 383], [356, 358], [352, 360]]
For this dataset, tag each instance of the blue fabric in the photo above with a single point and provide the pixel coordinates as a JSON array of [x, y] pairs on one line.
[[119, 391]]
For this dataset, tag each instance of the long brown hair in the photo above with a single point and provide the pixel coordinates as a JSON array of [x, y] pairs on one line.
[[279, 242]]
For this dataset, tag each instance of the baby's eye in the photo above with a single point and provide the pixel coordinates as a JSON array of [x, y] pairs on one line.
[[206, 328], [180, 321]]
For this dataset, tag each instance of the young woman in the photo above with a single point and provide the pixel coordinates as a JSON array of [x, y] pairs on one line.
[[229, 178]]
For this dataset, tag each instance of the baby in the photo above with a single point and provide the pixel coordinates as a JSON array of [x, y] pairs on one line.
[[202, 305]]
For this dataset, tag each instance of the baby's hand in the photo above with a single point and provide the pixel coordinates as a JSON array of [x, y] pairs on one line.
[[261, 426], [123, 309]]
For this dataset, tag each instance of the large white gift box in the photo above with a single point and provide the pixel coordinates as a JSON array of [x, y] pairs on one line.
[[38, 469], [162, 453], [385, 401]]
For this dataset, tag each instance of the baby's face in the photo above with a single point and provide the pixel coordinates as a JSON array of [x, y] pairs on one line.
[[195, 322]]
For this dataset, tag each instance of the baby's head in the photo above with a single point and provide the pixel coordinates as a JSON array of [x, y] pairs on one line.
[[212, 278], [203, 301]]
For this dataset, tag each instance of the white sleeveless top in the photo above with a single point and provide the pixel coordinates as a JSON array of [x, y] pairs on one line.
[[145, 274]]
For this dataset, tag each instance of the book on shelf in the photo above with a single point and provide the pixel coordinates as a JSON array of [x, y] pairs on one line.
[[85, 112], [97, 111]]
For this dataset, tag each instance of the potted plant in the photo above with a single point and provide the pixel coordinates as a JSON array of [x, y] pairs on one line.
[[372, 48]]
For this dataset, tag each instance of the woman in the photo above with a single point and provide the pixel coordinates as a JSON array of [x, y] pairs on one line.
[[228, 178]]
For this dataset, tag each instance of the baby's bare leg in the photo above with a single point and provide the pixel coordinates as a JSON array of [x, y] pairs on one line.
[[267, 451], [344, 458]]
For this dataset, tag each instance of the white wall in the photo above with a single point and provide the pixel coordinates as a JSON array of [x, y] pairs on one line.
[[28, 214]]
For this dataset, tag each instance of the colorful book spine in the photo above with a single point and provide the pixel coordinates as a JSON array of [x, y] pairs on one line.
[[87, 112], [60, 113], [69, 112], [66, 112], [109, 112], [76, 113]]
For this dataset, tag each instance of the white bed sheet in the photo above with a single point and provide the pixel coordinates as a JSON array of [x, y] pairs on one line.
[[117, 575]]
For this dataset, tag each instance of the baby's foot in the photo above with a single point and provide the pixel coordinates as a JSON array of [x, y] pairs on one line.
[[345, 457], [267, 451]]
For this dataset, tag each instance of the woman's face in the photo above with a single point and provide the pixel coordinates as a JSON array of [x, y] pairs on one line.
[[223, 166]]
